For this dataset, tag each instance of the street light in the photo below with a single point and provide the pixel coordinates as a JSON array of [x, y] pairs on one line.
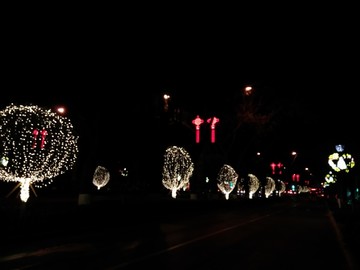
[[248, 90], [166, 102]]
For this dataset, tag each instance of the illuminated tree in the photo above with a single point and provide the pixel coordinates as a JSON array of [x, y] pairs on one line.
[[36, 145], [177, 169], [101, 177], [254, 185], [226, 180], [281, 187], [269, 186]]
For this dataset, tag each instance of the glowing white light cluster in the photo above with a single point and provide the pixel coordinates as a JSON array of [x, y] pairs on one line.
[[36, 144], [344, 162], [330, 178], [101, 177], [226, 180], [254, 184], [303, 189], [282, 187], [269, 186], [177, 169]]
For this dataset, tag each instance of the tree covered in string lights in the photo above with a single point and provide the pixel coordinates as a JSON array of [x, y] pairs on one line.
[[177, 169], [269, 186], [36, 145], [101, 177], [226, 180], [254, 184]]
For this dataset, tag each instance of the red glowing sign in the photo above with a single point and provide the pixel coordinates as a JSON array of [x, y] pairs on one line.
[[212, 121], [197, 122], [279, 165], [296, 177]]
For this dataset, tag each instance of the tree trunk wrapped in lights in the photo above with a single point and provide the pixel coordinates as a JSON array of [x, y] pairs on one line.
[[226, 180], [36, 144], [177, 169], [101, 177]]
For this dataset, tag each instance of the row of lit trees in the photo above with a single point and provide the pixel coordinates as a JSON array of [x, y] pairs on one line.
[[247, 122], [178, 169]]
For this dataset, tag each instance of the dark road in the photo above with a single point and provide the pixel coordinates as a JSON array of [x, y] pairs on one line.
[[289, 233]]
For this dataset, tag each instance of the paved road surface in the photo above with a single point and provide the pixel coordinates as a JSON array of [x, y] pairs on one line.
[[292, 233]]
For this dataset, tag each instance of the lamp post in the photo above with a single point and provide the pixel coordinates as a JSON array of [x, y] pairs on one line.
[[166, 102]]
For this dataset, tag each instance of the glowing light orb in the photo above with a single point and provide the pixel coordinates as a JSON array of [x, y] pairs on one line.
[[343, 162], [36, 144], [226, 180], [101, 177], [177, 169]]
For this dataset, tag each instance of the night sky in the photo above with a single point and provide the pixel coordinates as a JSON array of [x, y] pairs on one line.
[[121, 73]]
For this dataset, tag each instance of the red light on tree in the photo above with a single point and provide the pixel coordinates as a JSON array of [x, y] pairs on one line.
[[197, 122], [43, 134], [212, 121]]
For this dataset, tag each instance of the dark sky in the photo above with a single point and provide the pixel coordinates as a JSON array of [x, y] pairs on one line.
[[122, 64]]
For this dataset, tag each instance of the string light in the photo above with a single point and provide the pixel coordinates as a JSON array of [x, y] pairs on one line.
[[254, 184], [269, 186], [226, 180], [37, 145], [101, 177], [177, 169]]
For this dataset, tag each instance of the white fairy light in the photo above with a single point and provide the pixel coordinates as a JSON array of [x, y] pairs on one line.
[[36, 144], [101, 177], [226, 180], [177, 169]]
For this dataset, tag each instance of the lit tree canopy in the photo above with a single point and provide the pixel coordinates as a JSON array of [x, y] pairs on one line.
[[36, 144], [177, 169], [254, 184], [226, 180], [101, 177], [269, 186], [281, 187]]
